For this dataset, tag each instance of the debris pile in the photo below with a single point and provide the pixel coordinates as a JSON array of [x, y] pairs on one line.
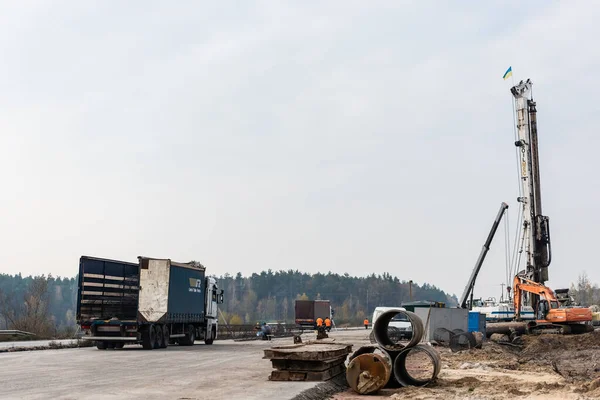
[[391, 363], [312, 361]]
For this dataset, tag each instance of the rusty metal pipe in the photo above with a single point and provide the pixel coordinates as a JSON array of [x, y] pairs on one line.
[[368, 372]]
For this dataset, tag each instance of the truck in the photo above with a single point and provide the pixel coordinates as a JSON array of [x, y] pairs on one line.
[[154, 302], [307, 312]]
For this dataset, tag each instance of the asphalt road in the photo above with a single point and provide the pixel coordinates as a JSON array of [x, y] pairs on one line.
[[224, 370]]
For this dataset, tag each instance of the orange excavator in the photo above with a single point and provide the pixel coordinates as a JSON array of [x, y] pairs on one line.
[[550, 315]]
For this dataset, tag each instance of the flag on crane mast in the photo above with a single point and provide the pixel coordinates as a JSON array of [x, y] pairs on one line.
[[508, 73]]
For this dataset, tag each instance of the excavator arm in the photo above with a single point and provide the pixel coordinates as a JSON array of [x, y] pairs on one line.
[[522, 284]]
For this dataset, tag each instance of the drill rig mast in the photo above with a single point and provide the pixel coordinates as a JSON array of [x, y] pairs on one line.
[[536, 232]]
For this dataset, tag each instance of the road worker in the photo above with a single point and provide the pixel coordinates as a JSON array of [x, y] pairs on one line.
[[366, 322], [327, 324], [319, 322]]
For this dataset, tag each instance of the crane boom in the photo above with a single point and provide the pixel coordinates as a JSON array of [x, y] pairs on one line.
[[535, 225], [486, 246]]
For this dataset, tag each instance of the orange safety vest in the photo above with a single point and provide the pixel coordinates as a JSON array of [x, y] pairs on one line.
[[327, 322], [319, 321], [366, 322]]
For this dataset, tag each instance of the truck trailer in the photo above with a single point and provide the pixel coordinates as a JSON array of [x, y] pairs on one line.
[[307, 312], [155, 302]]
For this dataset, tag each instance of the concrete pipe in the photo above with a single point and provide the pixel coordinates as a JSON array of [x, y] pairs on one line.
[[417, 366], [463, 341], [369, 371], [442, 336], [382, 327], [478, 339]]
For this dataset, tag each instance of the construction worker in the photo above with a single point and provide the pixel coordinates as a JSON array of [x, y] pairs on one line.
[[319, 322], [265, 332], [366, 322], [327, 324]]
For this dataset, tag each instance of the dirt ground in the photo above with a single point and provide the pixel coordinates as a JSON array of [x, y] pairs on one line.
[[544, 367]]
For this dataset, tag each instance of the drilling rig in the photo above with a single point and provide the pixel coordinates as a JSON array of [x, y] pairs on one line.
[[529, 285], [536, 226]]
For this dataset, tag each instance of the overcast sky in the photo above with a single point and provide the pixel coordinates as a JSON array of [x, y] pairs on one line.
[[343, 136]]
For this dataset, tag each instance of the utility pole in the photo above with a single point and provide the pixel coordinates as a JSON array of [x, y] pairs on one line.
[[502, 293], [410, 289], [367, 311]]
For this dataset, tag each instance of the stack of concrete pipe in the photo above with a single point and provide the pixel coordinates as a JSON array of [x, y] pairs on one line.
[[391, 363]]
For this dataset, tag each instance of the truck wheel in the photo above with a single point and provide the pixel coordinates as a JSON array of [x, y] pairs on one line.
[[190, 338], [148, 337], [213, 333], [101, 345], [119, 345], [158, 336], [166, 339]]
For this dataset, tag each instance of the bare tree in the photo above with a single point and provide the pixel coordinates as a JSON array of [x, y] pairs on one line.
[[31, 313]]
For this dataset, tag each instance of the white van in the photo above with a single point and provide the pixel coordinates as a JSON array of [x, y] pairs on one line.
[[399, 322]]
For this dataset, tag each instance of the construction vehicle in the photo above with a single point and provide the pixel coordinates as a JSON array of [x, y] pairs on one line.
[[536, 227], [529, 285], [550, 314], [564, 298], [155, 302]]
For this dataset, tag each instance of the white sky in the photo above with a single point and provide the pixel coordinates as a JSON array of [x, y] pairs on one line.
[[348, 136]]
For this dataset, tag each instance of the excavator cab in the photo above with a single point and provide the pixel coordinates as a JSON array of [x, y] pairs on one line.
[[544, 307], [550, 315]]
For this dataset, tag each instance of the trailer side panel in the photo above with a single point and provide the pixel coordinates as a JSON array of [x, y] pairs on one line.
[[187, 289]]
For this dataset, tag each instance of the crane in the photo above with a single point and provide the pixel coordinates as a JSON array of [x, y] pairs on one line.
[[486, 246]]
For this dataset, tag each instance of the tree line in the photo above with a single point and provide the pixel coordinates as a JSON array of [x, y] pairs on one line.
[[46, 305], [585, 293], [270, 296], [43, 305]]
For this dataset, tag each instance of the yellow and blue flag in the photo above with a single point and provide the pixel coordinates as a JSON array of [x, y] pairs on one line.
[[508, 73]]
